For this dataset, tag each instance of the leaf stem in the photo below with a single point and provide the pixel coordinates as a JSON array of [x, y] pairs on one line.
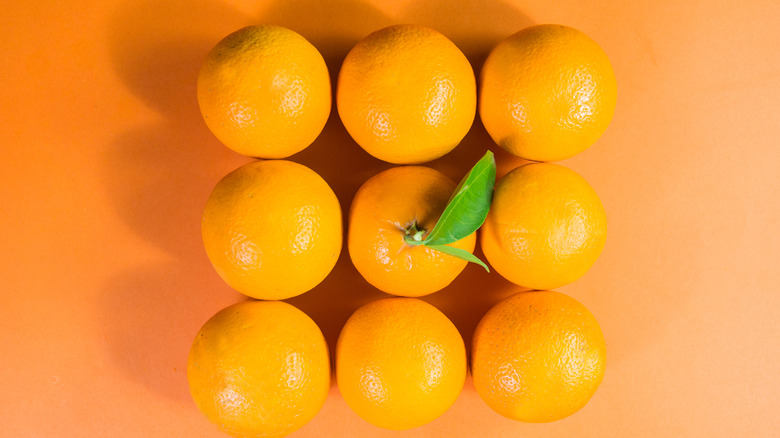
[[465, 212]]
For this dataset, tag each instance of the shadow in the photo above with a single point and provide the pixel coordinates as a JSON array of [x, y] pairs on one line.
[[475, 29], [334, 28], [470, 296], [334, 300], [150, 315], [340, 161], [157, 49], [160, 174], [473, 146], [160, 177]]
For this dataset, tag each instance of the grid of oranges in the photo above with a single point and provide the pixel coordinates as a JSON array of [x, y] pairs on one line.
[[272, 228]]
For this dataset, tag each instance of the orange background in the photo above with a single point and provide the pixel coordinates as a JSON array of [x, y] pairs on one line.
[[107, 166]]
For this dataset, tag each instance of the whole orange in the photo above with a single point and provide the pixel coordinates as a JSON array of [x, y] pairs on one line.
[[259, 369], [537, 356], [547, 93], [264, 91], [272, 229], [400, 363], [406, 94], [546, 226], [387, 207]]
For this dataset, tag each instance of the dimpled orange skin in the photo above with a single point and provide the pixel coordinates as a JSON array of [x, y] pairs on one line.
[[259, 369], [538, 356], [264, 91], [381, 210], [547, 93], [272, 229], [400, 363], [406, 94], [546, 226]]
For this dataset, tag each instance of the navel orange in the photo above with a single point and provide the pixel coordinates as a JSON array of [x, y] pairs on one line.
[[264, 91], [272, 229], [400, 363], [537, 356], [546, 226], [547, 93], [406, 94], [259, 369]]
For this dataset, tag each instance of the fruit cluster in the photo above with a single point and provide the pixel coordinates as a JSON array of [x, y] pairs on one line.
[[273, 228]]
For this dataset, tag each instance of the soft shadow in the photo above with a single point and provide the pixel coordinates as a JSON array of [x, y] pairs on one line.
[[150, 315], [157, 48], [471, 295], [334, 28], [332, 302], [160, 174], [475, 29], [160, 177]]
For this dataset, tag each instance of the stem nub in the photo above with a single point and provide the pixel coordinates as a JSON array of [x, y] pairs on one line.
[[414, 234]]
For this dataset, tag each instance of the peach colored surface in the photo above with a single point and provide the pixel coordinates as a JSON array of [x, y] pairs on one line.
[[107, 165]]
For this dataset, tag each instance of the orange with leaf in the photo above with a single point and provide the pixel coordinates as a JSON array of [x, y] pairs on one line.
[[412, 230]]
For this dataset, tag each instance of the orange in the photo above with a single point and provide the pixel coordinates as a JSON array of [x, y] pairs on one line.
[[400, 363], [537, 356], [264, 91], [389, 205], [547, 93], [546, 226], [272, 229], [259, 369], [406, 94]]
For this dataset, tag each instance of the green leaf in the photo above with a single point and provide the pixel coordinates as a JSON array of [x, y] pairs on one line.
[[459, 253], [468, 206]]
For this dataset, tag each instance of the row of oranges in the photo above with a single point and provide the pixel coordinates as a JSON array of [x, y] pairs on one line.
[[407, 94], [262, 368]]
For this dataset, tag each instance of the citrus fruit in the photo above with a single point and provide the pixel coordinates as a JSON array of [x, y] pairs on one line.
[[537, 356], [259, 369], [400, 363], [272, 229], [406, 94], [546, 226], [547, 93], [264, 91], [387, 207]]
